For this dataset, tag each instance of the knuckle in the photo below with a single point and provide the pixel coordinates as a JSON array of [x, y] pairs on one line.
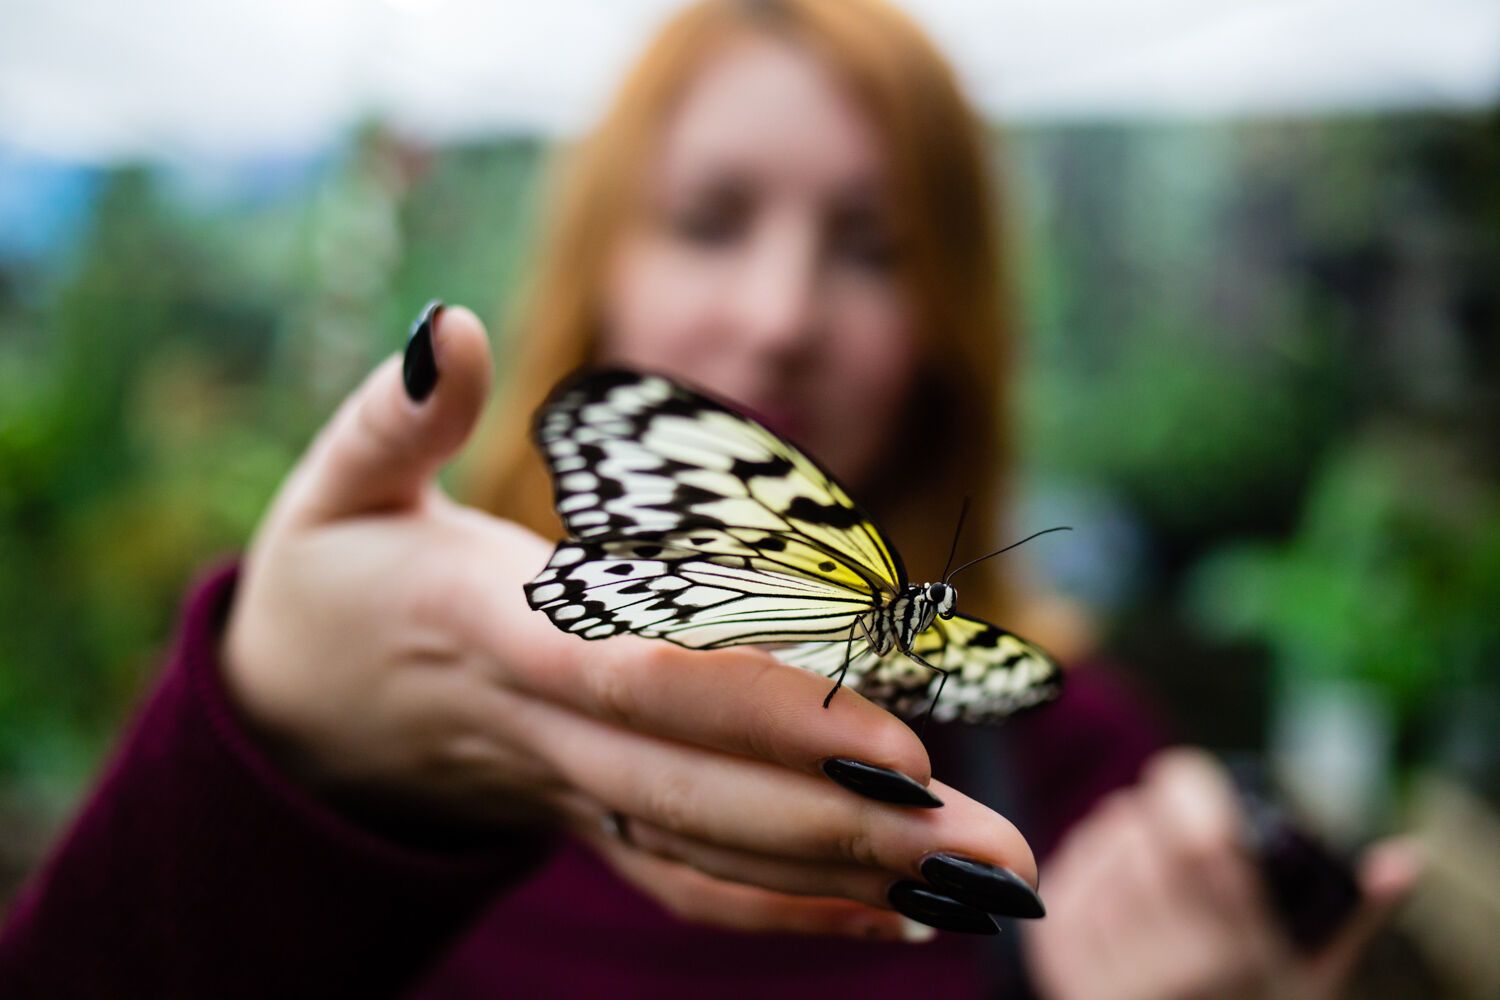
[[1203, 849], [377, 432], [672, 802], [856, 843], [612, 683], [764, 719]]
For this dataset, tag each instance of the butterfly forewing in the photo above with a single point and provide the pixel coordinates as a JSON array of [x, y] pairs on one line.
[[637, 455]]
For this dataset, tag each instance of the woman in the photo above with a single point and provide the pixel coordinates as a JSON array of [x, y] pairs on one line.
[[353, 777]]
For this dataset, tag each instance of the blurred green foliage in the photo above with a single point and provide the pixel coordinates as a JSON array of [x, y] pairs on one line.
[[1387, 579], [1214, 313], [160, 379]]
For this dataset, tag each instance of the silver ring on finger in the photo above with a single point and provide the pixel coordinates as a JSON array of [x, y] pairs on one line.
[[617, 825]]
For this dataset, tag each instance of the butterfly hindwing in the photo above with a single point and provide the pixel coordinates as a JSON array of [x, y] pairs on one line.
[[992, 672]]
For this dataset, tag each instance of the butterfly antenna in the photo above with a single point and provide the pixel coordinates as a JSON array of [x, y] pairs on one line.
[[952, 549], [1007, 548]]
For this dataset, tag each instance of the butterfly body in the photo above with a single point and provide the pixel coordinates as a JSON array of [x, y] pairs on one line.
[[693, 523]]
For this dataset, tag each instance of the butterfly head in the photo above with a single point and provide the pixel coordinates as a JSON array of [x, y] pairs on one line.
[[943, 597]]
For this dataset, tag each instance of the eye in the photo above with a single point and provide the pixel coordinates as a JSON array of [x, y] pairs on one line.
[[713, 226], [859, 238], [714, 215]]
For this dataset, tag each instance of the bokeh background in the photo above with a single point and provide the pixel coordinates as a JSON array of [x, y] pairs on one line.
[[1258, 252]]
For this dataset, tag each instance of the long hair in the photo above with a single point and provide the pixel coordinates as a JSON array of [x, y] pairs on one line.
[[952, 439]]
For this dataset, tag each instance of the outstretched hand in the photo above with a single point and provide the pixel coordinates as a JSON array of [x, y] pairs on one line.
[[381, 644]]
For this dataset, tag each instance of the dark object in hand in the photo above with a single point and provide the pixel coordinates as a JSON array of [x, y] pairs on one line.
[[1313, 891]]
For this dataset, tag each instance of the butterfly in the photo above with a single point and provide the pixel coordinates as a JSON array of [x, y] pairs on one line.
[[693, 523]]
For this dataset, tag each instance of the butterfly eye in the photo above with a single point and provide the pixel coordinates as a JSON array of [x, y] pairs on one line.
[[942, 596]]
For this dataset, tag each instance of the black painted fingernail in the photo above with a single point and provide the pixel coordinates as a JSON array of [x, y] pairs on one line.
[[879, 783], [419, 366], [927, 906], [979, 883]]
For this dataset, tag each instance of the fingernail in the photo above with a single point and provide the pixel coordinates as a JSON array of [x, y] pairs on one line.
[[927, 906], [879, 783], [979, 883], [419, 366], [915, 933]]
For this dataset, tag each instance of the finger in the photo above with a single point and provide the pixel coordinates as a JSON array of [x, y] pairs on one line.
[[1110, 886], [796, 878], [1197, 819], [697, 898], [741, 701], [1388, 872], [1132, 871], [382, 446], [761, 807]]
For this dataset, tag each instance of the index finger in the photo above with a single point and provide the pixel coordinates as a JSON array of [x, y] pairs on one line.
[[741, 701]]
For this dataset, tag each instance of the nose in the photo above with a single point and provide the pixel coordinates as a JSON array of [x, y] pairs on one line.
[[776, 303]]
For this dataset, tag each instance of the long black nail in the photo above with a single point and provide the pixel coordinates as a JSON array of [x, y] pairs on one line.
[[979, 883], [928, 906], [419, 366], [879, 783]]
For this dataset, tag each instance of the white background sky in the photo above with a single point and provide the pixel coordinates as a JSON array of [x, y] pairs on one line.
[[103, 79]]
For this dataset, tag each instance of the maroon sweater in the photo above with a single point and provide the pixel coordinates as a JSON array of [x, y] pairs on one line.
[[195, 869]]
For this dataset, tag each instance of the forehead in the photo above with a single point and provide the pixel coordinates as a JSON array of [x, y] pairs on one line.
[[773, 112]]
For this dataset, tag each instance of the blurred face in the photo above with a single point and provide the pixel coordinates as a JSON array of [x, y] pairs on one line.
[[763, 266]]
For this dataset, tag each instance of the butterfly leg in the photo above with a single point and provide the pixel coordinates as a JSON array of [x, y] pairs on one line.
[[927, 716], [848, 648]]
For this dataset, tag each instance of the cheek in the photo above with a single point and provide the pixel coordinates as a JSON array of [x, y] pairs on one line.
[[656, 307]]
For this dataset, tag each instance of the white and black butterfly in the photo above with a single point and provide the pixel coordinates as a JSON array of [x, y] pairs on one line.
[[693, 523]]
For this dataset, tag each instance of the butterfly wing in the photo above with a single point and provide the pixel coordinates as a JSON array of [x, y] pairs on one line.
[[695, 598], [695, 524], [637, 456], [992, 672]]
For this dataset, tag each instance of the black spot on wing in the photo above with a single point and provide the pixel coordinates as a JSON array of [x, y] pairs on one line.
[[604, 381], [686, 496], [679, 405], [775, 467], [829, 515]]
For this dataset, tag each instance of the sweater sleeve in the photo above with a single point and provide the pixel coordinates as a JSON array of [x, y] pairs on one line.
[[195, 869]]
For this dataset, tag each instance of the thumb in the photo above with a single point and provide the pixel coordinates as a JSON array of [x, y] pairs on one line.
[[390, 436], [1387, 873]]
